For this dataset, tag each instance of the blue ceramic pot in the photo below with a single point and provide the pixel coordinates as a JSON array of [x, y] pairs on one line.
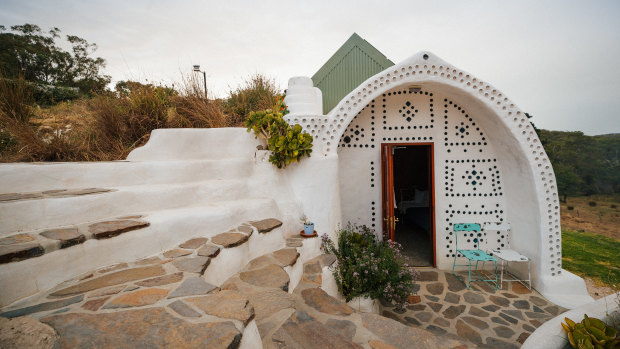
[[308, 229]]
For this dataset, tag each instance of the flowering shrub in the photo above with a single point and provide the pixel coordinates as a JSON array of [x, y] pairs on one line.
[[280, 106], [369, 268]]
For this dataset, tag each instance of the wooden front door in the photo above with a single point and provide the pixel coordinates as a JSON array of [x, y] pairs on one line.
[[387, 179], [388, 194]]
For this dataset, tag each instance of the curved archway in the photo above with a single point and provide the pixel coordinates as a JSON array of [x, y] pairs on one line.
[[528, 175]]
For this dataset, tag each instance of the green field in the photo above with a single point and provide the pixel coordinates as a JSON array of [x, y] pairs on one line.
[[593, 255]]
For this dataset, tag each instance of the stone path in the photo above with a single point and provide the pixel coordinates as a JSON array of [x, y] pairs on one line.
[[163, 301], [21, 246], [481, 316]]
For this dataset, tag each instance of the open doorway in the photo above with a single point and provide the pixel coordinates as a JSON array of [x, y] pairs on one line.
[[410, 191]]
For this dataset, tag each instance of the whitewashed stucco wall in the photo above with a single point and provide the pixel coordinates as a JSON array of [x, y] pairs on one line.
[[524, 192]]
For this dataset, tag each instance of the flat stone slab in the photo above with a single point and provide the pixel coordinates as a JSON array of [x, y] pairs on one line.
[[271, 276], [428, 276], [269, 302], [19, 196], [109, 229], [16, 239], [137, 298], [402, 336], [147, 261], [209, 251], [161, 280], [95, 304], [192, 286], [143, 328], [76, 192], [294, 242], [113, 268], [465, 331], [286, 256], [344, 327], [194, 243], [106, 291], [302, 331], [192, 264], [266, 225], [229, 239], [473, 298], [42, 307], [112, 279], [67, 236], [246, 229], [26, 332], [321, 301], [503, 331], [377, 344], [225, 304], [453, 311], [454, 284], [258, 262], [183, 309], [177, 252], [16, 253]]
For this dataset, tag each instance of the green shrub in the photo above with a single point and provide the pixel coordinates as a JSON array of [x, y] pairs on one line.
[[47, 95], [369, 268], [288, 143], [592, 203]]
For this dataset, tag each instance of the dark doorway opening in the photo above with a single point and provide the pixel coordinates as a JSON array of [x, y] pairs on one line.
[[413, 197]]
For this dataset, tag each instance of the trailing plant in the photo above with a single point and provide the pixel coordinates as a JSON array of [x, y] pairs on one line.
[[590, 333], [288, 143], [369, 268]]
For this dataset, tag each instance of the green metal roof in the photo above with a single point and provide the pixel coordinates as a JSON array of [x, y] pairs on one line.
[[354, 62]]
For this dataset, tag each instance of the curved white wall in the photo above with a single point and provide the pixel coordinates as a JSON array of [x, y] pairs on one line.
[[528, 190]]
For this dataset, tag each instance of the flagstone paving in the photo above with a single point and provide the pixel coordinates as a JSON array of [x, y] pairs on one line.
[[155, 303], [481, 316]]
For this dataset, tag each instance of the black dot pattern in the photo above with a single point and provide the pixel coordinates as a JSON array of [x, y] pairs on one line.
[[468, 179]]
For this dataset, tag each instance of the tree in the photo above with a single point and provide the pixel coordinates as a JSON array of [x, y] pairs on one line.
[[567, 180], [26, 51]]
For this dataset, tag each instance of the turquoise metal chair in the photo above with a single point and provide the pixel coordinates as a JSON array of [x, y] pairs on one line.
[[471, 234]]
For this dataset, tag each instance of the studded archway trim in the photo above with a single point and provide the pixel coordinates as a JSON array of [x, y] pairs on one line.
[[426, 67]]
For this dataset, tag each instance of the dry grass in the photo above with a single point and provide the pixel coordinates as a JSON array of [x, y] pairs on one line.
[[256, 93], [109, 126], [602, 218]]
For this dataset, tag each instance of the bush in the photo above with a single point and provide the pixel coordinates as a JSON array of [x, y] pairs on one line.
[[369, 268], [288, 143], [257, 93], [592, 203], [48, 95], [15, 100]]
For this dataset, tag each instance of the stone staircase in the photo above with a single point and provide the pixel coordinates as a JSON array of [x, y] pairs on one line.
[[60, 220], [273, 301]]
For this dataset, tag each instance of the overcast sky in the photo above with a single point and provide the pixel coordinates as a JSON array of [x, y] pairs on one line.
[[558, 60]]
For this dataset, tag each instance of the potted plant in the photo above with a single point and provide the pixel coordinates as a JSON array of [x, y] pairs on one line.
[[308, 226], [367, 269]]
